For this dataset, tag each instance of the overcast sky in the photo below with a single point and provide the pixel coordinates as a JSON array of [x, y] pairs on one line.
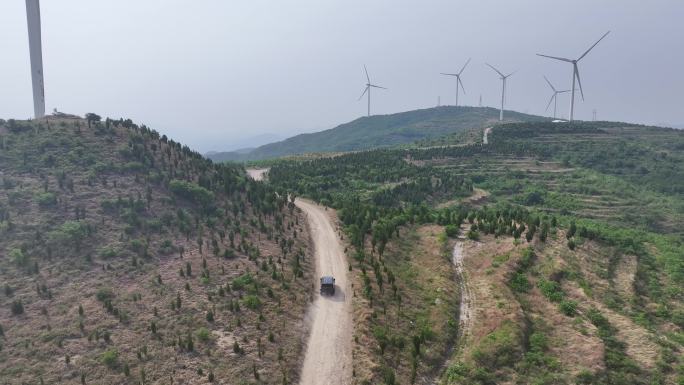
[[212, 72]]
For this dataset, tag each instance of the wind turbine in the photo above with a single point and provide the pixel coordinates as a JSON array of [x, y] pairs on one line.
[[369, 85], [554, 97], [575, 73], [503, 88], [36, 53], [458, 80]]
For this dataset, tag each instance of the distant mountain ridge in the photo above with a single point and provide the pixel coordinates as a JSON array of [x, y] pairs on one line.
[[380, 131]]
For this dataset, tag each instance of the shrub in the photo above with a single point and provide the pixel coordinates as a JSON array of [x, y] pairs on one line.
[[500, 348], [70, 233], [46, 199], [520, 283], [17, 307], [451, 231], [202, 334], [191, 191], [473, 235], [551, 290], [240, 282], [18, 257], [569, 308], [104, 294], [108, 252], [110, 358], [253, 302], [236, 348]]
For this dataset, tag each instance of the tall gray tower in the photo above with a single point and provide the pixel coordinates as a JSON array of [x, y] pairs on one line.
[[36, 51]]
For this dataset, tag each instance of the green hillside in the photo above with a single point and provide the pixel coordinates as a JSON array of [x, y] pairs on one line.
[[381, 131], [572, 254]]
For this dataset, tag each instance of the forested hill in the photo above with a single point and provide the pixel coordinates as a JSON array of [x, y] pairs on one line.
[[127, 258], [381, 131]]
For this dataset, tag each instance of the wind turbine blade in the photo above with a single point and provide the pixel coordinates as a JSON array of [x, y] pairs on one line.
[[592, 47], [448, 74], [511, 73], [373, 85], [458, 79], [579, 81], [366, 70], [464, 66], [549, 83], [497, 71], [550, 101], [554, 57], [364, 92], [561, 92]]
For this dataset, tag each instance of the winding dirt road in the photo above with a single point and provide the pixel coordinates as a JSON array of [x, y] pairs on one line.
[[328, 359]]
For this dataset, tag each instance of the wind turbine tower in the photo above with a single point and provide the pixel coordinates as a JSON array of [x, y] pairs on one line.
[[554, 97], [458, 79], [503, 88], [36, 51], [575, 73], [367, 90]]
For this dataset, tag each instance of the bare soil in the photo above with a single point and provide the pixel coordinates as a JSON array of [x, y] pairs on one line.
[[257, 174]]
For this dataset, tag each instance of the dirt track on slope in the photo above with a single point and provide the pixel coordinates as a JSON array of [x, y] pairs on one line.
[[466, 308], [328, 358], [485, 136]]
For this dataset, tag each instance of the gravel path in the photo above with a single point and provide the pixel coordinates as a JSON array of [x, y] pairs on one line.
[[328, 358]]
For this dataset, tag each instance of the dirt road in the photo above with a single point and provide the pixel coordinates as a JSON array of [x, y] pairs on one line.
[[466, 308], [257, 173], [328, 359], [485, 136]]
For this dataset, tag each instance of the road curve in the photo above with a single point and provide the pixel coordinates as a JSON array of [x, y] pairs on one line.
[[328, 357]]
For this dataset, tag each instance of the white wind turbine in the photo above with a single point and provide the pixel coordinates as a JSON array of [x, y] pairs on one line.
[[36, 53], [369, 85], [503, 88], [554, 97], [458, 79], [575, 73]]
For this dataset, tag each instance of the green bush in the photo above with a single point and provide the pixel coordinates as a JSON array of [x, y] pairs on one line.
[[500, 348], [451, 231], [551, 290], [202, 334], [108, 252], [240, 282], [104, 294], [191, 191], [46, 199], [520, 283], [252, 301], [18, 257], [569, 308], [110, 358]]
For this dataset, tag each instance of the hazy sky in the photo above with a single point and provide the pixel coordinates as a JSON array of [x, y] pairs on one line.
[[209, 72]]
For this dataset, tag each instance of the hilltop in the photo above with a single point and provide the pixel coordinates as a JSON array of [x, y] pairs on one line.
[[127, 258], [381, 131]]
